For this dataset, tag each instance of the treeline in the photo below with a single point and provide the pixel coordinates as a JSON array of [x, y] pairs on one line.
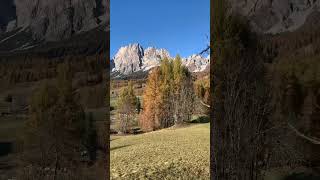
[[265, 98], [296, 92], [168, 98], [303, 42], [202, 89], [128, 106], [59, 137], [27, 69], [115, 84], [239, 98], [295, 88]]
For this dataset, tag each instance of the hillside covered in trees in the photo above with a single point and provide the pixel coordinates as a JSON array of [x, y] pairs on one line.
[[52, 96], [55, 107], [264, 99]]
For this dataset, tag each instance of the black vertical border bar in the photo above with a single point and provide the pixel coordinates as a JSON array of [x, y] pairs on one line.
[[107, 99], [212, 171]]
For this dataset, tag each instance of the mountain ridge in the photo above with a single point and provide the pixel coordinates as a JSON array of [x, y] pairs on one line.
[[273, 17], [32, 26], [134, 58]]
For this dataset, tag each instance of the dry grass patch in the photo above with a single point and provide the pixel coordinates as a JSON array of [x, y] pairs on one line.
[[175, 153]]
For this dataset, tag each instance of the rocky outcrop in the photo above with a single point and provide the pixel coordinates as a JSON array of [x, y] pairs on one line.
[[58, 26], [196, 63], [58, 19], [53, 20], [133, 58], [272, 16], [129, 59], [153, 56]]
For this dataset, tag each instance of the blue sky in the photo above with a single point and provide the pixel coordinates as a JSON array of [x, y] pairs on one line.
[[180, 26]]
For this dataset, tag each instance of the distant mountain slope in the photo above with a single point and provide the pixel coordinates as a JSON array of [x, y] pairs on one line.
[[275, 16], [87, 43]]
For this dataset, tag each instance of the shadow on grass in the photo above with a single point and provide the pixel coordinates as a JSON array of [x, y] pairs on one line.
[[173, 171], [131, 131], [201, 119], [119, 147], [113, 139]]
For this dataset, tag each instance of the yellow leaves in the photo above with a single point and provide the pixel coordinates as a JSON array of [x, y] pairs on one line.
[[151, 103], [127, 99], [202, 88]]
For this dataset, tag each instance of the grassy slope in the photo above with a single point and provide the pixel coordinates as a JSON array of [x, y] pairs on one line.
[[165, 154]]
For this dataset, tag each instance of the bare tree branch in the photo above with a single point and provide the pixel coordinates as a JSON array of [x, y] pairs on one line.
[[204, 104], [311, 139]]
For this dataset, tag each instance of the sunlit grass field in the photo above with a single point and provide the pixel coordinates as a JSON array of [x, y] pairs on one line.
[[173, 153]]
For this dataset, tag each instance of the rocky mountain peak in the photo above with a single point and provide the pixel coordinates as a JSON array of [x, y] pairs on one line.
[[53, 20], [133, 58], [129, 59], [196, 63], [152, 52]]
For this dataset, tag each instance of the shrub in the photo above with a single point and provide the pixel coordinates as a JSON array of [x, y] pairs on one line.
[[126, 108]]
